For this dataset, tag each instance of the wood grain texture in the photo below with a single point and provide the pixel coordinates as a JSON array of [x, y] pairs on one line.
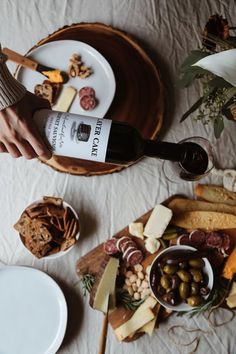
[[139, 97]]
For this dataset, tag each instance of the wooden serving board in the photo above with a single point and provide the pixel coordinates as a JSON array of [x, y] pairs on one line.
[[90, 263], [139, 98]]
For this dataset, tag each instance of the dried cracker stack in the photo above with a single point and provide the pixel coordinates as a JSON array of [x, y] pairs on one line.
[[47, 227]]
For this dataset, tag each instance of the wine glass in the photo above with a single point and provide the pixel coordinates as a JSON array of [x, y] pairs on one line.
[[176, 172]]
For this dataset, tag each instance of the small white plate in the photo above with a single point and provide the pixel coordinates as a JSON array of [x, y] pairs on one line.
[[33, 312], [57, 55]]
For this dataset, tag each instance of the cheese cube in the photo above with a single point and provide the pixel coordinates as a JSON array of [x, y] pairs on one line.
[[152, 245], [158, 221], [136, 229]]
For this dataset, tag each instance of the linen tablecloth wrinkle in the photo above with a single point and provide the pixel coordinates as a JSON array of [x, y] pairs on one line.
[[168, 30]]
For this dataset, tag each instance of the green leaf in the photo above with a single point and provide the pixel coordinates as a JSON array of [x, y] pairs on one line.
[[193, 57], [218, 126], [219, 82]]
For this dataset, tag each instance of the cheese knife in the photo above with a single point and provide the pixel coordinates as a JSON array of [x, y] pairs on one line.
[[54, 75]]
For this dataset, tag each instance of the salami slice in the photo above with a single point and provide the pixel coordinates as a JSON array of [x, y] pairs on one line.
[[121, 241], [197, 237], [86, 91], [110, 247], [127, 244], [214, 240], [135, 257], [183, 240], [88, 102], [128, 251]]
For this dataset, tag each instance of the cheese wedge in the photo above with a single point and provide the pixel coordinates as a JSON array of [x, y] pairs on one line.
[[233, 289], [149, 327], [231, 301], [138, 320], [158, 221], [106, 287], [65, 99], [136, 229]]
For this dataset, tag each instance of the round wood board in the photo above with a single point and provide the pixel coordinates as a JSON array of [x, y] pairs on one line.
[[139, 97]]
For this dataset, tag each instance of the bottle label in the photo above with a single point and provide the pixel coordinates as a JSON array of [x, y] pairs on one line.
[[75, 135]]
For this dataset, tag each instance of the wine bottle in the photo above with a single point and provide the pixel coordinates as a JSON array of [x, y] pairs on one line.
[[103, 140]]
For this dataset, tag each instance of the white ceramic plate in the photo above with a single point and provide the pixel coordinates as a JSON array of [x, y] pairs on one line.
[[33, 312], [57, 54], [207, 269]]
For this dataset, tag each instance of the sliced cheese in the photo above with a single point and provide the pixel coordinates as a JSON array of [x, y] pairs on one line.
[[138, 320], [152, 245], [149, 327], [158, 221], [106, 287], [233, 289], [231, 301], [136, 229], [65, 99]]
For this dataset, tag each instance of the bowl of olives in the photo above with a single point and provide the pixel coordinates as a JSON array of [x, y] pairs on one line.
[[181, 278]]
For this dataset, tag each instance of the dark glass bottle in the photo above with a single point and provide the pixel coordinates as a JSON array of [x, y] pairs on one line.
[[126, 145]]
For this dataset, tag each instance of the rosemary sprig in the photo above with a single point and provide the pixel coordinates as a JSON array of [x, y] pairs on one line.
[[125, 299], [87, 280]]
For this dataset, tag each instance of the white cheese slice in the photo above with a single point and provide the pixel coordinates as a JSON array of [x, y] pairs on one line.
[[106, 286], [152, 245], [229, 180], [233, 289], [138, 320], [136, 229], [158, 221], [65, 99], [231, 301], [149, 327]]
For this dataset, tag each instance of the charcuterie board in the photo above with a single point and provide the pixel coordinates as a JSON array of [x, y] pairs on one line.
[[139, 97], [91, 262]]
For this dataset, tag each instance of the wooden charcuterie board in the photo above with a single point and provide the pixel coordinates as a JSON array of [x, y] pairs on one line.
[[139, 98], [91, 261]]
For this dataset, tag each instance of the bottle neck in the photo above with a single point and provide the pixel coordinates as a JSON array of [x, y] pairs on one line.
[[165, 150]]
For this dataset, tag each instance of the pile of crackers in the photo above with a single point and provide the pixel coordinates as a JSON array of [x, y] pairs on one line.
[[48, 227]]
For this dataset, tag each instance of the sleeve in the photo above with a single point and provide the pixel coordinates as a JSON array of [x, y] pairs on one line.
[[11, 91]]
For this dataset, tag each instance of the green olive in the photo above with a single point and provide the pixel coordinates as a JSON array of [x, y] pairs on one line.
[[184, 290], [170, 269], [194, 288], [196, 274], [194, 300], [184, 275], [197, 263], [165, 282]]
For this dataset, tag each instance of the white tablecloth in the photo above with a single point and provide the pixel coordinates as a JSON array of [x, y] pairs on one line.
[[168, 30]]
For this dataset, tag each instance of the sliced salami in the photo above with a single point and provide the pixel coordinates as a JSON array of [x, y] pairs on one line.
[[127, 244], [110, 247], [121, 241], [183, 240], [86, 91], [214, 240], [128, 251], [197, 237], [135, 257], [88, 102]]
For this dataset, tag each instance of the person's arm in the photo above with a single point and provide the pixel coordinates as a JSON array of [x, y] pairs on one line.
[[18, 133]]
